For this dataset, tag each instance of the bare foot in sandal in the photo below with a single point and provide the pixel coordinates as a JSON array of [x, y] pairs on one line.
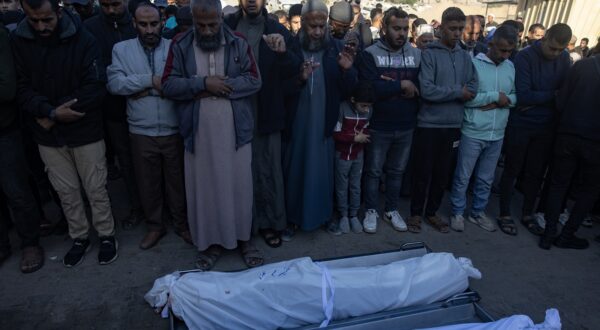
[[208, 258], [414, 224], [32, 259], [507, 225], [252, 256]]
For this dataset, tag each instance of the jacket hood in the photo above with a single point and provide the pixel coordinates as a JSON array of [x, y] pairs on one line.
[[437, 45], [383, 45], [483, 57], [68, 25]]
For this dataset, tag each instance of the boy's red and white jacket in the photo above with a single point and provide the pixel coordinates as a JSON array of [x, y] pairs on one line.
[[349, 124]]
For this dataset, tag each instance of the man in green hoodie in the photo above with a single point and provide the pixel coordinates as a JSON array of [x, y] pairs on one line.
[[484, 121]]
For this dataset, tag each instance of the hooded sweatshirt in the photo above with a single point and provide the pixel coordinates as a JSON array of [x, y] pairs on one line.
[[443, 74], [489, 125], [391, 111]]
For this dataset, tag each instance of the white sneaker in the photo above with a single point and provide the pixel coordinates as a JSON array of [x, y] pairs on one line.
[[457, 223], [483, 221], [396, 220], [370, 221], [539, 217], [564, 217]]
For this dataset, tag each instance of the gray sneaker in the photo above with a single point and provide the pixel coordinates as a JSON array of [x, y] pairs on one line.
[[356, 225], [457, 223], [483, 221], [345, 225]]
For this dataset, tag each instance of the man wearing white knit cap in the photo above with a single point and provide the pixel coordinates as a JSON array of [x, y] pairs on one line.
[[425, 35]]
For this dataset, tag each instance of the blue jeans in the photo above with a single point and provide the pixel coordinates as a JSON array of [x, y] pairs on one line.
[[389, 151], [15, 185], [347, 184], [477, 156]]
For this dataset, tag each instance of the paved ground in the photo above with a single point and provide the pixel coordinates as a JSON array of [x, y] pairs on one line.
[[518, 277]]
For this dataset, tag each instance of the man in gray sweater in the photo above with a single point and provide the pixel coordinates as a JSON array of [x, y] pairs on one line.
[[447, 80]]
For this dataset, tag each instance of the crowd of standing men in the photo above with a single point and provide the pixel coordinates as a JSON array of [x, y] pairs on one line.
[[247, 123]]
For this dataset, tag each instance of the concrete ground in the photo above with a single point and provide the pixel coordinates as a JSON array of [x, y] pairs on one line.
[[518, 277]]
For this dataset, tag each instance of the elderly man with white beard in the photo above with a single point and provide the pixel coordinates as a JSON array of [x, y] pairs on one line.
[[212, 74], [327, 78]]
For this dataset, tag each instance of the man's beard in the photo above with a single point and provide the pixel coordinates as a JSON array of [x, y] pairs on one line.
[[339, 34], [116, 17], [47, 40], [311, 45], [253, 15], [211, 43], [151, 42]]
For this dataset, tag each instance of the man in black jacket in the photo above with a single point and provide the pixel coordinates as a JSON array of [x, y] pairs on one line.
[[113, 25], [60, 85], [577, 146], [13, 170], [276, 63]]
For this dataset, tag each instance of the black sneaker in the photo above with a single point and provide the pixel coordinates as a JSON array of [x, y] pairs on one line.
[[75, 255], [571, 242], [546, 242], [108, 250]]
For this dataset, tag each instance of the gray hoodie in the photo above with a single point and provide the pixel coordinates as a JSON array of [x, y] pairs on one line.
[[443, 74]]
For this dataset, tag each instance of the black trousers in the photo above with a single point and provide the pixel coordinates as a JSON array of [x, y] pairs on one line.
[[570, 153], [15, 186], [528, 151], [433, 152], [121, 146]]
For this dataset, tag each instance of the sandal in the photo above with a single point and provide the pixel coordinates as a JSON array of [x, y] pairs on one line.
[[414, 224], [288, 233], [32, 259], [208, 258], [271, 237], [507, 225], [531, 224], [251, 255], [438, 224]]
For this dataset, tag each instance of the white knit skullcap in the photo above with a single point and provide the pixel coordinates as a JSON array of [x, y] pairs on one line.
[[314, 5]]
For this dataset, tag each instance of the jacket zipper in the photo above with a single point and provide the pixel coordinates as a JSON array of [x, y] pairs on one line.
[[352, 144], [494, 121]]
